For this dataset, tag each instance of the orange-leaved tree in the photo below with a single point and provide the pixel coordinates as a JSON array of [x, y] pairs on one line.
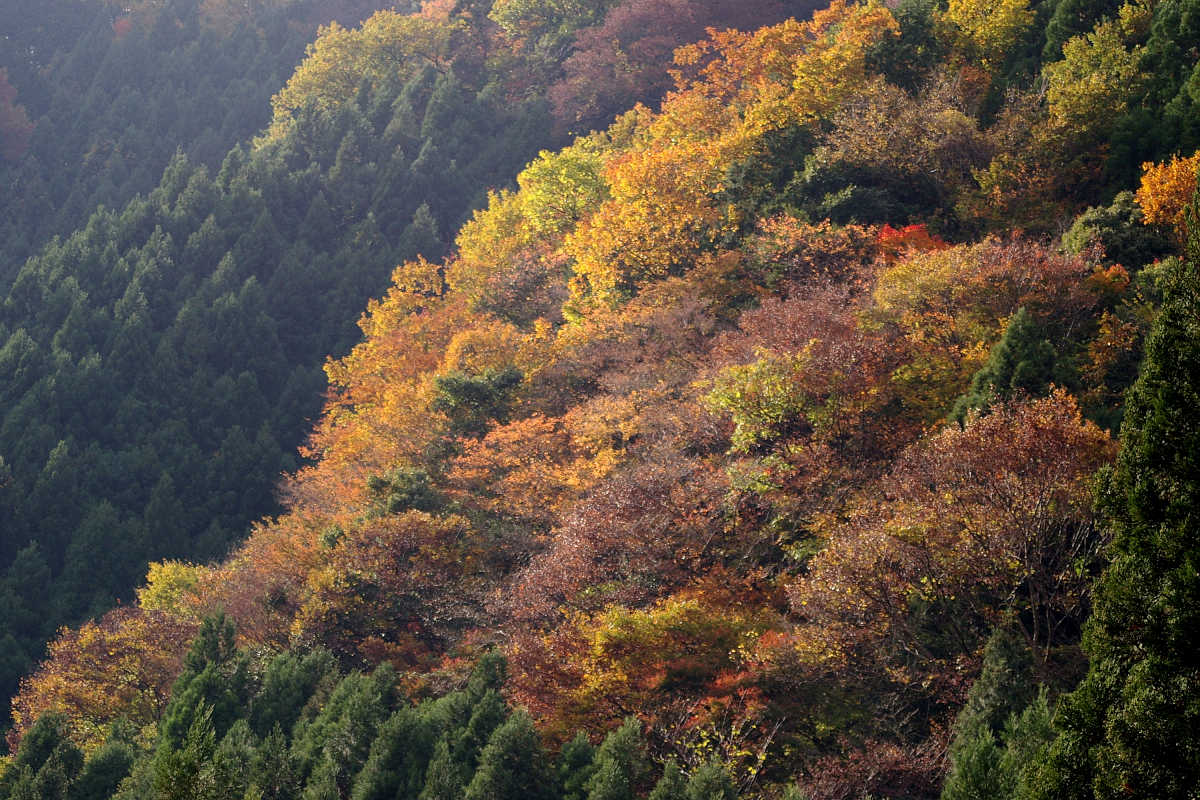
[[665, 206], [119, 667], [1166, 192]]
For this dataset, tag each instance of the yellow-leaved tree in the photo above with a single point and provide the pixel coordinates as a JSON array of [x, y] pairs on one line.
[[119, 667], [987, 30], [1096, 78], [665, 205], [342, 59]]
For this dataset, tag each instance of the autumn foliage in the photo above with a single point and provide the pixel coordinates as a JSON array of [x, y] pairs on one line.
[[1166, 192], [119, 667], [678, 444], [990, 518]]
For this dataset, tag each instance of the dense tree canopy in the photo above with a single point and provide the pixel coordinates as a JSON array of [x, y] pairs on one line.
[[161, 362], [745, 445]]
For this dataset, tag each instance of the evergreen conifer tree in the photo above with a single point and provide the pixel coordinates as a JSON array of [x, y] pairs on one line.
[[444, 778], [672, 785], [513, 765], [575, 767], [46, 763], [272, 772], [1027, 737], [1003, 689], [214, 682], [712, 781], [487, 714], [185, 772], [1022, 362], [620, 764], [1132, 727], [398, 759], [287, 684], [975, 773], [104, 771]]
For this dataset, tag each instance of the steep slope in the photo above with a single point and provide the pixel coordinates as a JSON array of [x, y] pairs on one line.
[[160, 363], [193, 317], [113, 91], [755, 416]]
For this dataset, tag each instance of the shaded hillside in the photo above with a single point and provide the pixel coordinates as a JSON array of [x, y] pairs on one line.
[[112, 95], [160, 364]]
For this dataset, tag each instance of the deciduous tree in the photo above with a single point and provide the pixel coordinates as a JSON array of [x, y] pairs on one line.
[[121, 666]]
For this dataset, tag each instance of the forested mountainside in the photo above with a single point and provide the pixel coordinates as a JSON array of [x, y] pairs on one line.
[[816, 421], [161, 362], [162, 356], [102, 95]]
